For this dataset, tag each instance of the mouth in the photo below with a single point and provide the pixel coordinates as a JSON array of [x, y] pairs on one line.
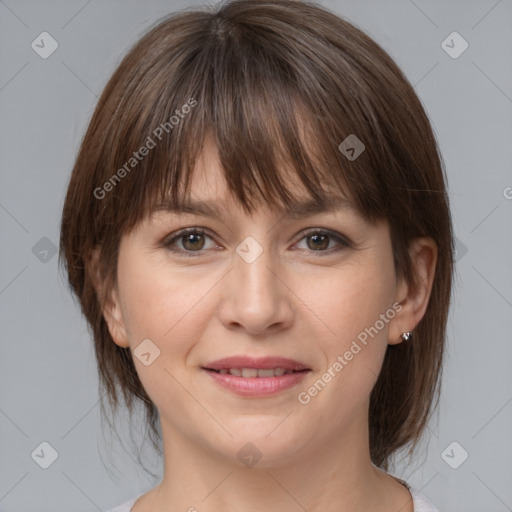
[[256, 372], [251, 364], [256, 382], [256, 377]]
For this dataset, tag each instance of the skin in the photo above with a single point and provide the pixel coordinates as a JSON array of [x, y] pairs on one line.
[[292, 301]]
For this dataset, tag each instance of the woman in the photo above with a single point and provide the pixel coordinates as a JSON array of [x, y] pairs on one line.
[[258, 231]]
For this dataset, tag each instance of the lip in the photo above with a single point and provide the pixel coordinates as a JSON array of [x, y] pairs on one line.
[[257, 386], [253, 362]]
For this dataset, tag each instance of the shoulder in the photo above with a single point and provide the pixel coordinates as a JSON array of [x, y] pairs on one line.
[[125, 507], [421, 503]]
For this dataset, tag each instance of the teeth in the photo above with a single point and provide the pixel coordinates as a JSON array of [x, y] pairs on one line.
[[269, 372], [254, 372]]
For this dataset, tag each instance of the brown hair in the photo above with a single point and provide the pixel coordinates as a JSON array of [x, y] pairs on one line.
[[273, 81]]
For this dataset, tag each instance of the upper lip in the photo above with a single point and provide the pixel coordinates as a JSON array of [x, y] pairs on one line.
[[256, 362]]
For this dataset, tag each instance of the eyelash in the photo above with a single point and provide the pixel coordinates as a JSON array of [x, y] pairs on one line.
[[343, 243]]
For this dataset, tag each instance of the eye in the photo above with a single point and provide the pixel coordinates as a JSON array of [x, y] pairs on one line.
[[191, 240], [194, 240], [320, 240]]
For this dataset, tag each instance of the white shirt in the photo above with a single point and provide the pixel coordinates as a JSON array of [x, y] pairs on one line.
[[421, 503]]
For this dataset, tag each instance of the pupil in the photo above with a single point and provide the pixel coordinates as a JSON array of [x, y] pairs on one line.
[[190, 239], [324, 242]]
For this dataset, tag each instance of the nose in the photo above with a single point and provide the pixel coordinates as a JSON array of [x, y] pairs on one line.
[[257, 298]]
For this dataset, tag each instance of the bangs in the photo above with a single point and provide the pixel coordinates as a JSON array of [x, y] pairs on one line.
[[267, 114]]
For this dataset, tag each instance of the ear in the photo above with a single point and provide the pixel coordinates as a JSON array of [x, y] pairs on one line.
[[414, 297], [111, 307]]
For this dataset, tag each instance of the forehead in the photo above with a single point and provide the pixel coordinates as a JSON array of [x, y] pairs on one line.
[[209, 194], [216, 208]]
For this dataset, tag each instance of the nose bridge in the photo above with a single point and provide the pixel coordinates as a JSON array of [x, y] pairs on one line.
[[252, 269], [257, 298]]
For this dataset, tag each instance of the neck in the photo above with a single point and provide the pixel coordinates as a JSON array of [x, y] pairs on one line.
[[325, 475]]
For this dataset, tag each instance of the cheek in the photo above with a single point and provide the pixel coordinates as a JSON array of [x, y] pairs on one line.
[[355, 306], [164, 306], [351, 299], [167, 309]]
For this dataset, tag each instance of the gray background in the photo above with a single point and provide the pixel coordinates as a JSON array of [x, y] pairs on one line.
[[48, 378]]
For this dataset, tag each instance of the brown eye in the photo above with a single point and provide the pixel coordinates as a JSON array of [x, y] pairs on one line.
[[323, 242], [189, 242], [318, 242], [193, 241]]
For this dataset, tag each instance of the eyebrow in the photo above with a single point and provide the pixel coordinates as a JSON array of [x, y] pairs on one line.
[[299, 210]]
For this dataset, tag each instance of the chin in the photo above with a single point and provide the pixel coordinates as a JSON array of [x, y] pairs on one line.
[[260, 444]]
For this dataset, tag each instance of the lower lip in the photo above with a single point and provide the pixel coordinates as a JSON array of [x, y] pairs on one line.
[[257, 386]]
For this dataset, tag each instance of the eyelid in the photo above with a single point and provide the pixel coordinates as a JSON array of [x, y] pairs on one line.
[[334, 234], [176, 235], [343, 241]]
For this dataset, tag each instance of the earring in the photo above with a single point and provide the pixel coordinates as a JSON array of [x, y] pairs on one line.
[[406, 336]]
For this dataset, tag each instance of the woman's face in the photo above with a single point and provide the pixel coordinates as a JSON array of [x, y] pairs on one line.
[[258, 287]]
